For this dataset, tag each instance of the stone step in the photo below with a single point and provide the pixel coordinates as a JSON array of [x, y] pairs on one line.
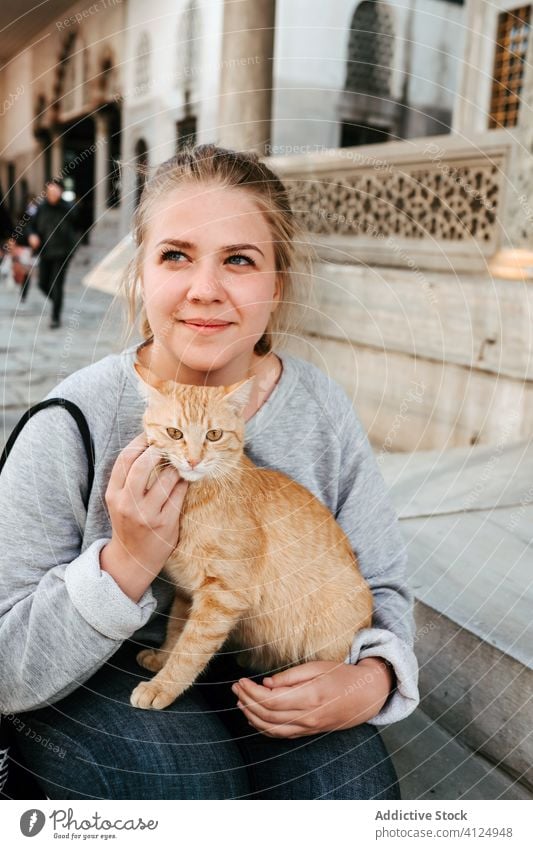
[[106, 274], [466, 517], [433, 764]]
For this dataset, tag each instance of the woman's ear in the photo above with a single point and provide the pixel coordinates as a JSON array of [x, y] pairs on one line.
[[276, 297]]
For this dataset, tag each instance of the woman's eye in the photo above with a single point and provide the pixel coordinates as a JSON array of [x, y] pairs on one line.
[[214, 435], [171, 255], [248, 259], [175, 256], [174, 433]]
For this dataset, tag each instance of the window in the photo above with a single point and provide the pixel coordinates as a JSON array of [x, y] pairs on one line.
[[508, 75], [188, 46], [141, 161], [40, 109], [74, 75], [370, 49], [142, 64], [105, 79], [367, 114], [11, 182], [186, 132]]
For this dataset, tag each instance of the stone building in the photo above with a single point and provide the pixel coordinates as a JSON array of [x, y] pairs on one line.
[[404, 222], [424, 302], [82, 86]]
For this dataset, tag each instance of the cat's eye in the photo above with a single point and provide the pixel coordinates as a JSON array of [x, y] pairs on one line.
[[214, 435], [174, 433]]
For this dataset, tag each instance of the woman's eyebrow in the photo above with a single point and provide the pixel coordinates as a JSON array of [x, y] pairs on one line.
[[179, 243]]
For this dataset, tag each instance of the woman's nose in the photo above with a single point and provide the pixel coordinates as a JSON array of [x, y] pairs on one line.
[[203, 285]]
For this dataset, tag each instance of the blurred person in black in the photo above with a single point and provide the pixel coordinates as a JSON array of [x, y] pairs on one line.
[[6, 231], [21, 252], [6, 224], [6, 227], [53, 234]]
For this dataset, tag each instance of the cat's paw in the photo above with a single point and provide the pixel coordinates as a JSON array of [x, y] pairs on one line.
[[151, 695], [151, 659]]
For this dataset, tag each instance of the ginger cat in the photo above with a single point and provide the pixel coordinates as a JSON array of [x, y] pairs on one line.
[[259, 558]]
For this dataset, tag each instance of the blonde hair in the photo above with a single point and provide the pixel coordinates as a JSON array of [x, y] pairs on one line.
[[208, 163]]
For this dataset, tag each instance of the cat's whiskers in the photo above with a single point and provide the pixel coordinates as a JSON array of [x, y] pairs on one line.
[[224, 478]]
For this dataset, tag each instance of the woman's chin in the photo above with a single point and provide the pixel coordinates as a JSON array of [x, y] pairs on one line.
[[201, 359]]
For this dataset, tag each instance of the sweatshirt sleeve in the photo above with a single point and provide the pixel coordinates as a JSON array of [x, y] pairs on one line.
[[61, 616], [366, 514]]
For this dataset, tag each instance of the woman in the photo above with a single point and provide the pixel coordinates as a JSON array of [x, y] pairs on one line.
[[216, 240]]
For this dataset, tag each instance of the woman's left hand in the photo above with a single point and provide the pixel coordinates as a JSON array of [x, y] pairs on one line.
[[317, 696]]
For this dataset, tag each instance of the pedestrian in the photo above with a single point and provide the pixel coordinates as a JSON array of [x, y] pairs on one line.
[[23, 259], [6, 223], [22, 263], [81, 590], [53, 234], [6, 232]]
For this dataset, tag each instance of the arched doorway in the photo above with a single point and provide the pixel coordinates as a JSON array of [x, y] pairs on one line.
[[79, 169], [107, 96], [42, 133], [368, 113], [115, 141], [81, 132], [72, 130]]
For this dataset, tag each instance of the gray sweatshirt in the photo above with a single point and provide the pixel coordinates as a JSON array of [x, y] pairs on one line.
[[62, 617]]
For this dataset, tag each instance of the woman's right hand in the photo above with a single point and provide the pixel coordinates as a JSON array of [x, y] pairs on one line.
[[145, 523]]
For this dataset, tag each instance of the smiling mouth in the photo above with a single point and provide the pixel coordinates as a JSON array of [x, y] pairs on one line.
[[218, 324]]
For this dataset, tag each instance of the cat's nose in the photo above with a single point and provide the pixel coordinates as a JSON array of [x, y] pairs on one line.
[[193, 463]]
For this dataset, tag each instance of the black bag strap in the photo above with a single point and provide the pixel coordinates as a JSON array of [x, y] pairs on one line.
[[81, 421]]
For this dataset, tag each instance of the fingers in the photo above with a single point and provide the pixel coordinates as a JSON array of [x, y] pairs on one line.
[[286, 712], [125, 461], [162, 487], [253, 710], [280, 699], [139, 471], [286, 731], [175, 500]]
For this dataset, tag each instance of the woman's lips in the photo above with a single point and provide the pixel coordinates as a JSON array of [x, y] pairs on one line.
[[206, 329]]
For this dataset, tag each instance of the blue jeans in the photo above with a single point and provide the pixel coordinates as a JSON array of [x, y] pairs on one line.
[[94, 745]]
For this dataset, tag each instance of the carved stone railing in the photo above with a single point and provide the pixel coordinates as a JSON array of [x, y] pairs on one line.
[[437, 202]]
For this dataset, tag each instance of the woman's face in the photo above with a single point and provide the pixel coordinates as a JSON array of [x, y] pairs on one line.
[[208, 254]]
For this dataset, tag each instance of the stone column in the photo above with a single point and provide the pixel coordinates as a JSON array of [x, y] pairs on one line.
[[101, 165], [56, 153], [246, 76], [472, 100]]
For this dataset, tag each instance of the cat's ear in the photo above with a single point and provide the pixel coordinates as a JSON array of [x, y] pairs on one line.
[[238, 394], [150, 385]]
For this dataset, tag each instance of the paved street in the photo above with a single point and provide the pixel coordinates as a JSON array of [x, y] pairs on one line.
[[33, 358]]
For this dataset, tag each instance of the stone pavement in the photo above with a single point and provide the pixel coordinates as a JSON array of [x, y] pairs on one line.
[[33, 358]]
